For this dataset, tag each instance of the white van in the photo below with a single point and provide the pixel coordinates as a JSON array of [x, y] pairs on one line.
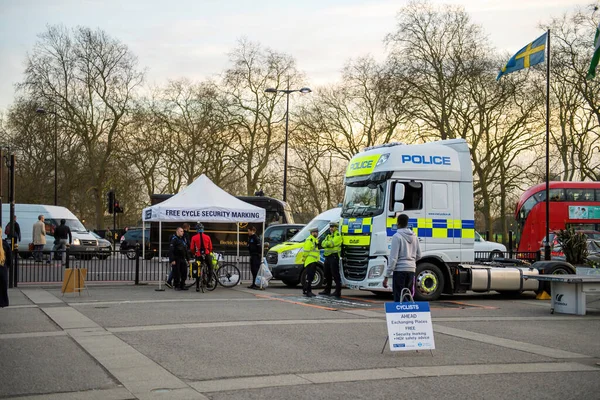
[[281, 259], [84, 244]]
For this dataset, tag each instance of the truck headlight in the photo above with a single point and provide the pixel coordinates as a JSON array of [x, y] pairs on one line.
[[289, 253], [76, 242], [375, 271]]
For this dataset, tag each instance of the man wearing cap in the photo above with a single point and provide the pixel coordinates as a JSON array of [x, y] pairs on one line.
[[332, 244], [311, 250]]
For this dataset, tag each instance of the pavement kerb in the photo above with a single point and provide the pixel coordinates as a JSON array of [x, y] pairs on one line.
[[255, 382]]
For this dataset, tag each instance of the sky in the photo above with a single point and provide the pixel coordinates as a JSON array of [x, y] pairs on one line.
[[192, 38]]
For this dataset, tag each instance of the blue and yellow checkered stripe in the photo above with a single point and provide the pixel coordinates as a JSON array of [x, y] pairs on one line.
[[356, 226], [437, 228]]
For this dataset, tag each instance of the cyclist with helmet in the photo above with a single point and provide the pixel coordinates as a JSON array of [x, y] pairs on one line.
[[201, 247]]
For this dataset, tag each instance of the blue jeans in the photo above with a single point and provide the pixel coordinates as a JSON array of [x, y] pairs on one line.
[[60, 246], [401, 280]]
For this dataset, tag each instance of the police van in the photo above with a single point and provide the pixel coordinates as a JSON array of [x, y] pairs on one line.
[[283, 261], [433, 184]]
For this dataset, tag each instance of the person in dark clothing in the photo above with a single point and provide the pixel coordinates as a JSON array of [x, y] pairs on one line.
[[5, 264], [178, 257], [186, 238], [255, 254], [62, 236], [17, 233], [186, 233]]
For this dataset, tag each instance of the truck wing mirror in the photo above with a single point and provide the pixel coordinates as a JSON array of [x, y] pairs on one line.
[[399, 192], [398, 207]]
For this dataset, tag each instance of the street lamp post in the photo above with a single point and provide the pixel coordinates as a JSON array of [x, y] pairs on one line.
[[41, 110], [287, 91]]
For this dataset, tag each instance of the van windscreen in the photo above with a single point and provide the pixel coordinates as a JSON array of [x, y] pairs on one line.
[[303, 234], [74, 224]]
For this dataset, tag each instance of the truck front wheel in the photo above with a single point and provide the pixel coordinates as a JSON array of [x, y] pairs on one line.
[[429, 282]]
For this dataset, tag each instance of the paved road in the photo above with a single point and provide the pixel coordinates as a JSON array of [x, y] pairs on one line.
[[126, 342]]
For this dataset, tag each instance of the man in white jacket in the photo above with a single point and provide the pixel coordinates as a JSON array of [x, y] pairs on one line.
[[404, 254]]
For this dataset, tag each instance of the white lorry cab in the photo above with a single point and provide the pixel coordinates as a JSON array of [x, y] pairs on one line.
[[432, 183], [283, 261], [84, 244]]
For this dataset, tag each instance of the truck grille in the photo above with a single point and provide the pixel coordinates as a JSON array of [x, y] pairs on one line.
[[355, 262], [272, 257], [89, 243]]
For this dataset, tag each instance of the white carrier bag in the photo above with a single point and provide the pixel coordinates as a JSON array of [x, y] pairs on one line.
[[264, 275]]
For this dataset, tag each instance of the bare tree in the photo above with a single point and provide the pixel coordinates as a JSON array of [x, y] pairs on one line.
[[89, 79], [434, 51], [365, 109], [576, 100], [449, 67], [255, 118]]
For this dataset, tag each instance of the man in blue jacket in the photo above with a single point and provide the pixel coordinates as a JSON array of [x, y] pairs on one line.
[[404, 254]]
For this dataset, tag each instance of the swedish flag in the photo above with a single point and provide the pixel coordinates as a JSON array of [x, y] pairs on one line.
[[529, 55]]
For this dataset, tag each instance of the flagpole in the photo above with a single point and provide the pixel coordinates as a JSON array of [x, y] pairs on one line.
[[547, 246]]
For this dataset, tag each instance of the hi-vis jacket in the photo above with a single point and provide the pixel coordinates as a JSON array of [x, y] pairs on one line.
[[311, 250], [332, 244]]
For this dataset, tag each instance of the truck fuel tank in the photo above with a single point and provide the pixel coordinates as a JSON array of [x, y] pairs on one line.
[[485, 278]]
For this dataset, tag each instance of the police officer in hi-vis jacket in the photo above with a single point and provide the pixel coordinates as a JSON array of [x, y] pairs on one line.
[[332, 246], [312, 253]]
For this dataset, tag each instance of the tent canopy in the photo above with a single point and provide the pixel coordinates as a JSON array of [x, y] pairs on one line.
[[205, 202]]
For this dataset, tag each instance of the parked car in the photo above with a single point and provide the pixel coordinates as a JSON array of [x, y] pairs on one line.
[[279, 233], [557, 250], [491, 249], [593, 247], [129, 240]]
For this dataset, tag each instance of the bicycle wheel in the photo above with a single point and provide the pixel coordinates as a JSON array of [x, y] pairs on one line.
[[228, 275], [210, 281]]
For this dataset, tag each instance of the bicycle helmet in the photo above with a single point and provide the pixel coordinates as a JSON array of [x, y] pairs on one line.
[[199, 227]]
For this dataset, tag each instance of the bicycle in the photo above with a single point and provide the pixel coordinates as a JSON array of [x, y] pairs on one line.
[[227, 275]]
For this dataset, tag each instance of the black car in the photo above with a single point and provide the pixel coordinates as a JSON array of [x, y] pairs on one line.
[[129, 241], [279, 233]]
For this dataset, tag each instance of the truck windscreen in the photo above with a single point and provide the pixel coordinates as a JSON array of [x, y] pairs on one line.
[[364, 201]]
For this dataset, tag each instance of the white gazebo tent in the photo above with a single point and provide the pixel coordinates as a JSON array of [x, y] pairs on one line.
[[201, 201]]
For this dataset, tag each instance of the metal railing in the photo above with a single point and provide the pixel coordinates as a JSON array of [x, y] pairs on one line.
[[112, 266]]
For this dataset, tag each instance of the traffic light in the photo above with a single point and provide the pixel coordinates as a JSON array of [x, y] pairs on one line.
[[111, 201], [118, 208]]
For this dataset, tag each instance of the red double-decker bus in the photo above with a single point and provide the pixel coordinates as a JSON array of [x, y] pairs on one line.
[[574, 204]]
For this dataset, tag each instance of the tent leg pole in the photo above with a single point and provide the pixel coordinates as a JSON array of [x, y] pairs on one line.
[[144, 245], [160, 288], [262, 257], [237, 257], [262, 246]]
